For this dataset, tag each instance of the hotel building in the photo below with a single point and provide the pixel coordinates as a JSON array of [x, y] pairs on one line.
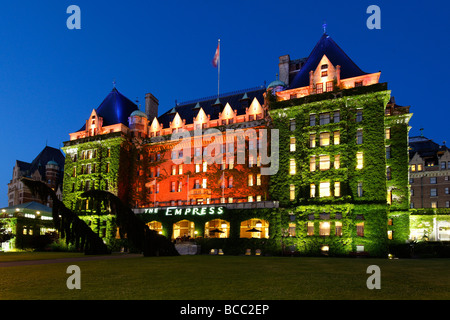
[[339, 183]]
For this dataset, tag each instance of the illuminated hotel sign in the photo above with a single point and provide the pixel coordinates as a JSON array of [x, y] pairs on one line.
[[190, 211]]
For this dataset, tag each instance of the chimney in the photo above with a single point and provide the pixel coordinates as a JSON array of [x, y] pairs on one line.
[[151, 106], [283, 68]]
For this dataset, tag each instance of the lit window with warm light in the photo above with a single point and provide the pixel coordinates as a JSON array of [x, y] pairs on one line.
[[359, 160], [292, 168], [324, 162], [324, 189], [324, 139]]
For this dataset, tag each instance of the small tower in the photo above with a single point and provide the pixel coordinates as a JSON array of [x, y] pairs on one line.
[[138, 124]]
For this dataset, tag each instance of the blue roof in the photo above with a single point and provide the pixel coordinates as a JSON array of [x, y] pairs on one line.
[[115, 108], [326, 46]]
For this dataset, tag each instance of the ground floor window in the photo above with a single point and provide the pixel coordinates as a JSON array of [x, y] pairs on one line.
[[183, 229], [155, 225], [217, 228], [254, 228]]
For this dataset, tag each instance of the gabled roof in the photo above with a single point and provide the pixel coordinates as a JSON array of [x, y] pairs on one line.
[[326, 46], [424, 147], [115, 108], [48, 154], [212, 107]]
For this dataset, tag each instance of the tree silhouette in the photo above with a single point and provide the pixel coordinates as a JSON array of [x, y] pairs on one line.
[[71, 228], [149, 241]]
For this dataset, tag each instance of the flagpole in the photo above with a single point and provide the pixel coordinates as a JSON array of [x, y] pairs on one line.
[[218, 74], [187, 191]]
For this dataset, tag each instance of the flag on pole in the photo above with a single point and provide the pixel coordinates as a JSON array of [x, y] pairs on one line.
[[216, 59]]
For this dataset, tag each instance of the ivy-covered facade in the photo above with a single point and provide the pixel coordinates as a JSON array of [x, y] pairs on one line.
[[343, 169], [342, 181]]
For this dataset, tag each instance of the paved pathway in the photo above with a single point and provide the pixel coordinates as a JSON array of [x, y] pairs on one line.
[[65, 260]]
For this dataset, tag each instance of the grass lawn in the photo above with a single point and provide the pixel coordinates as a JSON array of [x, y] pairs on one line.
[[226, 278]]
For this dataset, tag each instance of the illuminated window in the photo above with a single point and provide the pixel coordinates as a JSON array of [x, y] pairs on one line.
[[389, 234], [183, 228], [310, 231], [292, 145], [337, 137], [217, 228], [324, 189], [319, 88], [413, 167], [324, 162], [180, 186], [338, 228], [250, 180], [324, 228], [434, 204], [172, 186], [419, 167], [329, 86], [312, 190], [325, 139], [258, 198], [205, 166], [174, 170], [359, 160], [155, 225], [251, 160], [230, 182], [258, 179], [387, 133], [312, 140], [337, 161], [291, 229], [230, 200], [292, 192], [204, 182], [197, 168], [250, 199], [337, 189], [312, 163], [254, 228], [292, 166], [360, 229]]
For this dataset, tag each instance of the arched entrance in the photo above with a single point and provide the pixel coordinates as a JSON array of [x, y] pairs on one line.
[[183, 229], [254, 228], [217, 228]]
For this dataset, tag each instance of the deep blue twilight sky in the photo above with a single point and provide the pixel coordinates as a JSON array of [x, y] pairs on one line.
[[52, 77]]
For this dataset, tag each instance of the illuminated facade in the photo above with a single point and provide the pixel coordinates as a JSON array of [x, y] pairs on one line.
[[46, 167], [335, 188]]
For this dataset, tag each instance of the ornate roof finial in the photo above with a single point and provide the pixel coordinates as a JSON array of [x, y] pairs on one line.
[[324, 26], [114, 83]]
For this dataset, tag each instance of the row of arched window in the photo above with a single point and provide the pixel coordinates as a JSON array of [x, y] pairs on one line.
[[217, 228]]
